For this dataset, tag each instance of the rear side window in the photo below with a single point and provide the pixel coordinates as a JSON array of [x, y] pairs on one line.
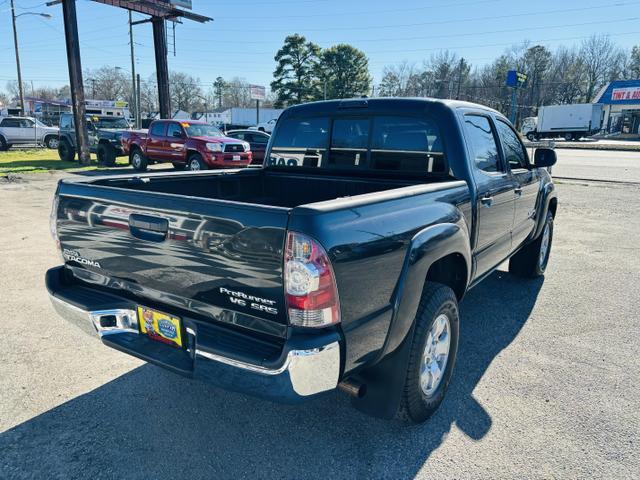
[[514, 152], [407, 144], [483, 143], [158, 129], [11, 123], [301, 142]]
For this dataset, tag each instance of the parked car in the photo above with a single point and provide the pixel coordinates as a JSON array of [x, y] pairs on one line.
[[26, 131], [265, 126], [186, 144], [257, 140], [104, 132], [340, 264]]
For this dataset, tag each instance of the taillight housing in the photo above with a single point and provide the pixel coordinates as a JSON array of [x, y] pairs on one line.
[[310, 285]]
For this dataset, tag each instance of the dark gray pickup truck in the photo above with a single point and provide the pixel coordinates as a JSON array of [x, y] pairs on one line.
[[338, 264]]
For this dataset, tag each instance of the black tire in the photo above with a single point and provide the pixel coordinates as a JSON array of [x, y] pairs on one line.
[[531, 136], [196, 163], [52, 142], [416, 406], [106, 155], [576, 137], [530, 261], [568, 136], [138, 160], [4, 146], [66, 152]]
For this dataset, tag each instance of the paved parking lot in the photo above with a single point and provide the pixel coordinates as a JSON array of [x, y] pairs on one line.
[[546, 383]]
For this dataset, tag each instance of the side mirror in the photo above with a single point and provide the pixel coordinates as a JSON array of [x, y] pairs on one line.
[[544, 157]]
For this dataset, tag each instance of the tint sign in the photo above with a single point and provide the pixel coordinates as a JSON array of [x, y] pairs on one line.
[[628, 93]]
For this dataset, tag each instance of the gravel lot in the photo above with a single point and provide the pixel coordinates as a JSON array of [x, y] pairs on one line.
[[546, 383]]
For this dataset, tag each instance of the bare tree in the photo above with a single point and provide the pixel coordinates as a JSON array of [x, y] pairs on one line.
[[599, 55], [396, 80]]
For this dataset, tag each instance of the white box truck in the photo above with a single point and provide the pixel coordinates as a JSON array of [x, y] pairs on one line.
[[570, 122]]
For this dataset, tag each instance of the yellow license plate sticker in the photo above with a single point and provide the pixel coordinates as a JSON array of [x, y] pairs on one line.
[[160, 326]]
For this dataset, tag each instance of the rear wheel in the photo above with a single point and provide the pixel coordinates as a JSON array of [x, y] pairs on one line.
[[568, 136], [52, 142], [4, 146], [531, 261], [531, 136], [106, 155], [433, 353], [66, 152], [196, 163], [138, 160]]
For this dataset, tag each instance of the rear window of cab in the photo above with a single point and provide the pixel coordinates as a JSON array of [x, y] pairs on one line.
[[390, 143]]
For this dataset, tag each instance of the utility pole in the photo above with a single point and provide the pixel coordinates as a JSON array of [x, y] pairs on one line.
[[162, 67], [75, 79], [459, 77], [133, 73], [138, 103], [15, 43]]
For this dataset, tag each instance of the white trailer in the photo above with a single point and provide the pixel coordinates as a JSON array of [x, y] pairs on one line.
[[247, 116], [570, 122]]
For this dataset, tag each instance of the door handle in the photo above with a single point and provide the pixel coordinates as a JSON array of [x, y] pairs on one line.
[[146, 227], [518, 191], [487, 200]]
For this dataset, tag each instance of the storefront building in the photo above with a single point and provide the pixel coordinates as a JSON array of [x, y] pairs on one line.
[[621, 105]]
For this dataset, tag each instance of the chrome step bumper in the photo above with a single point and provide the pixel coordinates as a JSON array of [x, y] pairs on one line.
[[306, 367]]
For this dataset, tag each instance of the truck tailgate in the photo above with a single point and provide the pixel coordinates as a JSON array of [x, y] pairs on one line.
[[220, 259]]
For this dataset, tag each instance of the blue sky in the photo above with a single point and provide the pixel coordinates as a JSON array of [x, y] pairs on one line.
[[245, 34]]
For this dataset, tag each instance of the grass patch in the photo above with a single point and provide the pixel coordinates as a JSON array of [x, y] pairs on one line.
[[42, 160]]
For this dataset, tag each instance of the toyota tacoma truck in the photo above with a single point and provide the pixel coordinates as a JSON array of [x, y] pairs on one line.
[[104, 132], [338, 264], [186, 144]]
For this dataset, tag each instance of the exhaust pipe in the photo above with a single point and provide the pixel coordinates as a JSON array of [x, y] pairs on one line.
[[353, 387]]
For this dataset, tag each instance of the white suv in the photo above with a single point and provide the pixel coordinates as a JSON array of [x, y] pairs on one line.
[[26, 130]]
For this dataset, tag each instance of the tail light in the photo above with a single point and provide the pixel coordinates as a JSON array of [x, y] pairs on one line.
[[310, 286], [53, 224]]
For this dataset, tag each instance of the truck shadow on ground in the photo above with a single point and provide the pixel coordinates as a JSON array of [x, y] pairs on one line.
[[150, 423]]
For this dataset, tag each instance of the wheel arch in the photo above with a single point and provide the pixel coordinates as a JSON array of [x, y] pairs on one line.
[[439, 253]]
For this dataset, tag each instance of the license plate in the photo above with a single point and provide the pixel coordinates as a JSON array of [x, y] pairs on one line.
[[160, 326], [236, 158]]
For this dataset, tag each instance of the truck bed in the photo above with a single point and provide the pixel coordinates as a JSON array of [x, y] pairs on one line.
[[261, 187]]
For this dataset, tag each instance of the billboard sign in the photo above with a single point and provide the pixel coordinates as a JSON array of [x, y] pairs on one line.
[[181, 3], [516, 79], [106, 103], [627, 93], [258, 92]]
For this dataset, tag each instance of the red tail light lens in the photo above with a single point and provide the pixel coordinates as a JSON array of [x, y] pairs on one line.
[[310, 286]]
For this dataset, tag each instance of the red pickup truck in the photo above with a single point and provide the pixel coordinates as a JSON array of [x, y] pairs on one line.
[[185, 144]]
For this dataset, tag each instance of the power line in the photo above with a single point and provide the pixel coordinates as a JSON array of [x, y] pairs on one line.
[[444, 22]]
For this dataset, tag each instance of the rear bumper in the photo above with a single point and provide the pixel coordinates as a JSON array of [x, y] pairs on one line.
[[307, 366]]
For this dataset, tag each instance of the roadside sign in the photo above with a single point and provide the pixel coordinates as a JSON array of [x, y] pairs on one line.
[[516, 79], [258, 92]]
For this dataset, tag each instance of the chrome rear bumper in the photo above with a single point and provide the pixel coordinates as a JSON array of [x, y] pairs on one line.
[[305, 367]]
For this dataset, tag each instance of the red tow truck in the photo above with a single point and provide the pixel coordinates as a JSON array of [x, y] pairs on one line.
[[186, 144]]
